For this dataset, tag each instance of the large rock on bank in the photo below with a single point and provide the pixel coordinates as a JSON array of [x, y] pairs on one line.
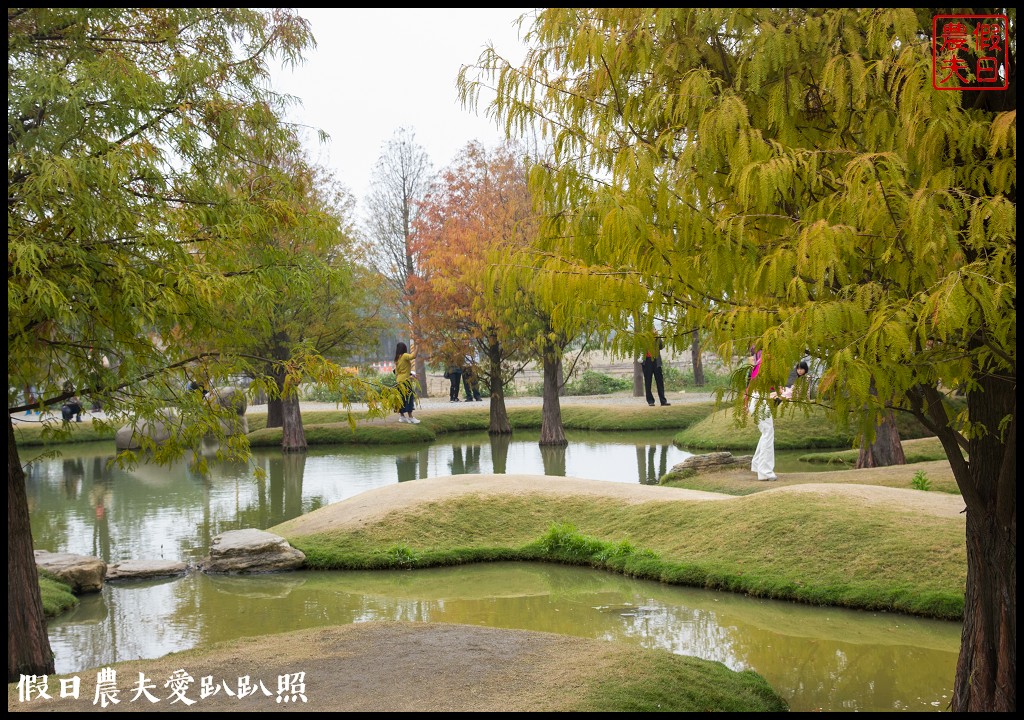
[[251, 551], [83, 573]]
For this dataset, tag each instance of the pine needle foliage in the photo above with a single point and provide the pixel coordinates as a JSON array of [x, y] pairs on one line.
[[790, 178]]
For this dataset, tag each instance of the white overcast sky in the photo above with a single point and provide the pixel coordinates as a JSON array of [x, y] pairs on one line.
[[374, 71]]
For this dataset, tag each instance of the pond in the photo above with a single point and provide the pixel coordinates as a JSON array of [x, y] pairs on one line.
[[817, 658], [79, 505]]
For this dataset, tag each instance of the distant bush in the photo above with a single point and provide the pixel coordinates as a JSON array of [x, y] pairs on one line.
[[595, 383], [676, 380], [588, 383]]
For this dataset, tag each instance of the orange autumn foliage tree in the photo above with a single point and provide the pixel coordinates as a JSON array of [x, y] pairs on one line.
[[477, 215]]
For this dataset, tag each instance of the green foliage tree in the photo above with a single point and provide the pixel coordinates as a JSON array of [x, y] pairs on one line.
[[136, 215], [791, 178], [324, 302]]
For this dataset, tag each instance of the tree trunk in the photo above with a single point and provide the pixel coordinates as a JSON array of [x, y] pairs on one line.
[[551, 430], [698, 364], [499, 424], [293, 436], [275, 407], [421, 377], [275, 413], [638, 379], [886, 449], [561, 378], [28, 645], [986, 671]]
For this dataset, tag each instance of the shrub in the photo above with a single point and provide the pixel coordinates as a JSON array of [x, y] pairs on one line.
[[595, 383], [676, 379], [920, 481]]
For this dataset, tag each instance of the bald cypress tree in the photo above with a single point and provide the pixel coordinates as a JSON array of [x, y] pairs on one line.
[[791, 178]]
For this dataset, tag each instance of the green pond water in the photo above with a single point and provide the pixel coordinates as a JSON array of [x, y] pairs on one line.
[[817, 658]]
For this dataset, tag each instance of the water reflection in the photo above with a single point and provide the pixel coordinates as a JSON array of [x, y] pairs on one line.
[[81, 504], [650, 473], [817, 658]]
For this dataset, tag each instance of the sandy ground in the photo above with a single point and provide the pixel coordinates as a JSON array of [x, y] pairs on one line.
[[368, 667]]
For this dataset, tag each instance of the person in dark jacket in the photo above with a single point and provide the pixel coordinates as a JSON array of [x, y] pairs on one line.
[[651, 366]]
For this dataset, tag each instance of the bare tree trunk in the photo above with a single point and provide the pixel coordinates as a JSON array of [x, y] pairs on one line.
[[499, 424], [275, 408], [638, 379], [28, 645], [551, 430], [695, 357], [886, 449], [986, 670], [275, 413], [293, 436], [561, 378]]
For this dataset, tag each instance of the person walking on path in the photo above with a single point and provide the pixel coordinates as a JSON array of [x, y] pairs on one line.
[[759, 407], [404, 381], [651, 366]]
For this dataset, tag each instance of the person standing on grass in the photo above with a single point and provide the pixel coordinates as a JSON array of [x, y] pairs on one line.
[[403, 378], [763, 461]]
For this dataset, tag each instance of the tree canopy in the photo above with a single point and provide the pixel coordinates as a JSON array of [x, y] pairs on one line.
[[791, 178], [141, 205]]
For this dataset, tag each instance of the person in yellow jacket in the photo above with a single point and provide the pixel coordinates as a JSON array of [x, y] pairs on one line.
[[405, 382]]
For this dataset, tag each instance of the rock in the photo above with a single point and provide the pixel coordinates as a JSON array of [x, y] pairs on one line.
[[251, 551], [231, 398], [145, 569], [236, 426], [709, 462], [84, 573], [159, 431]]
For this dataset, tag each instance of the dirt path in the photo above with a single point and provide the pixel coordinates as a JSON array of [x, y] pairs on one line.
[[368, 667]]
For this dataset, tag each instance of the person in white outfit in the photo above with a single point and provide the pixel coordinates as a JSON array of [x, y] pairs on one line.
[[759, 407]]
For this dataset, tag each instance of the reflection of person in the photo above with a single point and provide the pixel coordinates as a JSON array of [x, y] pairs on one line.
[[404, 381], [650, 474], [651, 366], [763, 461], [457, 465]]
